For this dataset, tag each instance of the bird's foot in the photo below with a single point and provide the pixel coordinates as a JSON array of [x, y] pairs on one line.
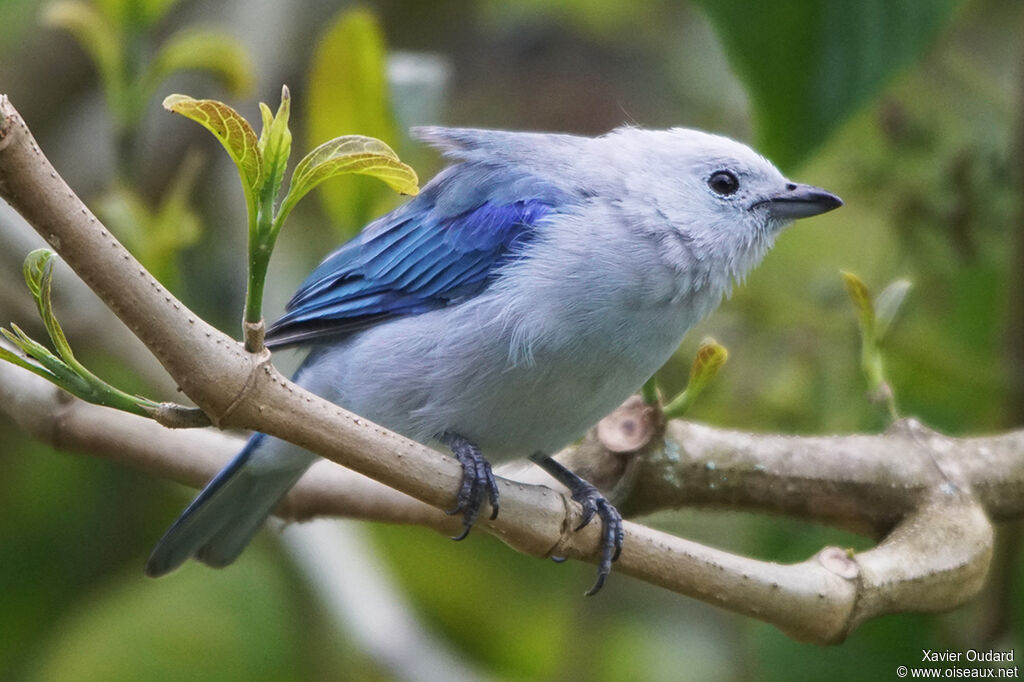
[[593, 502], [477, 481]]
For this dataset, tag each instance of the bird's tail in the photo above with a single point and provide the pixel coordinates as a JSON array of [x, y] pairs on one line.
[[229, 511]]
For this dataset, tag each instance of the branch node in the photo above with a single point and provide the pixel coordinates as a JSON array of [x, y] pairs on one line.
[[839, 561], [259, 361], [254, 333]]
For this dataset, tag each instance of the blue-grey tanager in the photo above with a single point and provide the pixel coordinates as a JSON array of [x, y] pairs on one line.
[[530, 288]]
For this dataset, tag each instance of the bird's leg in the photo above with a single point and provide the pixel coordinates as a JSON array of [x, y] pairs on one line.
[[477, 480], [593, 502]]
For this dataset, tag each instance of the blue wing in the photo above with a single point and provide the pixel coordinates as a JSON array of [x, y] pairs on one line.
[[442, 247]]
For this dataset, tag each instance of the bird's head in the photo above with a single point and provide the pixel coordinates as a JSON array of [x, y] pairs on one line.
[[710, 180], [715, 194]]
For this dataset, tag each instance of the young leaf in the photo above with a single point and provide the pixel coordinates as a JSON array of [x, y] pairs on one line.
[[275, 142], [212, 51], [710, 358], [233, 132], [345, 155], [861, 298], [38, 272]]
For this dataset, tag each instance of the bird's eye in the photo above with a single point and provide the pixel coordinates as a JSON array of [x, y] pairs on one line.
[[723, 182]]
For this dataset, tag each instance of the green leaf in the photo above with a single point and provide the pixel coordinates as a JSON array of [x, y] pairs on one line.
[[211, 51], [156, 235], [36, 268], [348, 93], [808, 65], [888, 304], [233, 132], [100, 39], [18, 338], [38, 272], [346, 155], [275, 142]]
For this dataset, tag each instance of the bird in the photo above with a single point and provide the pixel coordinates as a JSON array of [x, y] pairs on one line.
[[531, 286]]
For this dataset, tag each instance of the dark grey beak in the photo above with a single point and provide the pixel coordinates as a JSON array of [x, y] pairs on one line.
[[801, 201]]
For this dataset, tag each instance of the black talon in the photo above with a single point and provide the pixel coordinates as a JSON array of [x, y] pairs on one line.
[[593, 502], [476, 478]]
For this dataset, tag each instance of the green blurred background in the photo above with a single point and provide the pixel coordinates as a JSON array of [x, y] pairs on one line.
[[910, 110]]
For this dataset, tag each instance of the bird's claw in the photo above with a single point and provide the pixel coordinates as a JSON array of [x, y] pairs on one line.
[[477, 480], [593, 502]]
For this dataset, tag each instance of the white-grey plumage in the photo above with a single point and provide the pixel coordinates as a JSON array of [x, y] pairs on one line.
[[528, 290]]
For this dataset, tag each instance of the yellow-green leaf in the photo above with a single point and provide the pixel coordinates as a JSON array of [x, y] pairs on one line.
[[710, 357], [233, 132], [212, 51], [347, 155], [861, 297]]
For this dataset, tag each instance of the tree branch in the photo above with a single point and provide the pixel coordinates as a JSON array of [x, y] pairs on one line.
[[927, 493]]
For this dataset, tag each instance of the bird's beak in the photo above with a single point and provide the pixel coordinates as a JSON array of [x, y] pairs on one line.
[[801, 201]]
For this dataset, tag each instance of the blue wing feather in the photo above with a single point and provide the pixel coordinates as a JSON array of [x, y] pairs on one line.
[[440, 248]]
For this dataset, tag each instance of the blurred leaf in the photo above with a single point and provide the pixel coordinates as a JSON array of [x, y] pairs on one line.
[[233, 132], [347, 155], [348, 94], [100, 39], [156, 236], [888, 304], [808, 65], [135, 14], [212, 51]]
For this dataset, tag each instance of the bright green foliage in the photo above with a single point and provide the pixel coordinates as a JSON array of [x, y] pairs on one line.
[[710, 358], [61, 369], [810, 64], [261, 164], [348, 91], [874, 318]]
